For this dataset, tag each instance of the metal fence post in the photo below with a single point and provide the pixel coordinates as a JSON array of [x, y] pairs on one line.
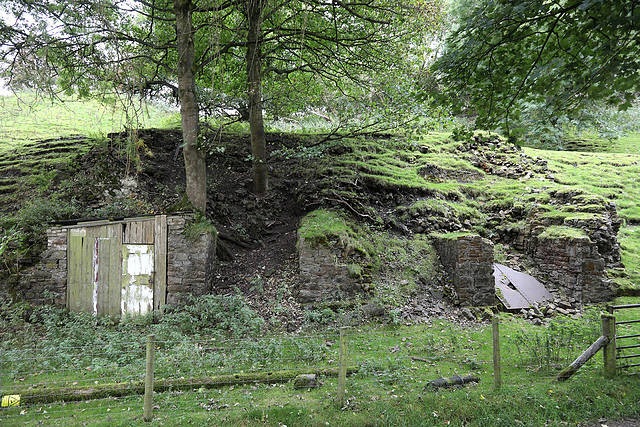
[[148, 382], [497, 373], [342, 367], [609, 351]]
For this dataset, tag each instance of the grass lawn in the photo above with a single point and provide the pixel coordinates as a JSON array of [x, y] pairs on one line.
[[391, 366], [24, 118]]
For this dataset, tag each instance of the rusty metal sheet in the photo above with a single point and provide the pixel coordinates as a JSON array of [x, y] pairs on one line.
[[518, 290]]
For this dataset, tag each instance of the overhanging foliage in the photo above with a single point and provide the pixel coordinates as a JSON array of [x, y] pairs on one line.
[[560, 54]]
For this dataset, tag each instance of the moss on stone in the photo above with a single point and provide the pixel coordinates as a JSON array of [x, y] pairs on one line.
[[589, 199], [355, 271], [452, 236], [444, 208], [514, 227], [566, 216], [326, 228], [562, 232], [593, 208]]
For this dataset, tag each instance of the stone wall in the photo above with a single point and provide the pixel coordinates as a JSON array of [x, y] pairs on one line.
[[575, 265], [190, 263], [468, 260], [322, 277], [46, 283]]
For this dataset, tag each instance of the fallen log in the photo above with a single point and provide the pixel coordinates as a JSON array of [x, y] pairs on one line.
[[453, 381], [583, 358], [42, 394]]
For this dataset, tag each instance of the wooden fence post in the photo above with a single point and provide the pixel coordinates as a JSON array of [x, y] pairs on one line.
[[568, 372], [148, 382], [497, 373], [342, 367], [609, 351]]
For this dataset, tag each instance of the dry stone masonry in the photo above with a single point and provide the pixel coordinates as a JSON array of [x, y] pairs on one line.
[[468, 260], [190, 263], [189, 266], [575, 265], [322, 277], [47, 282]]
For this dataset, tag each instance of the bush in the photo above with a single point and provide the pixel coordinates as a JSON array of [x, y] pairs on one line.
[[210, 315]]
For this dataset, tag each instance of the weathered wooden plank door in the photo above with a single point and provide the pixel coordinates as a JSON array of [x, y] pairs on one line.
[[79, 281], [117, 269], [160, 277], [137, 279], [94, 269], [108, 246]]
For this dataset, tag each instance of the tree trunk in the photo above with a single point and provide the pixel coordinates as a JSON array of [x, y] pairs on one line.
[[194, 159], [254, 83]]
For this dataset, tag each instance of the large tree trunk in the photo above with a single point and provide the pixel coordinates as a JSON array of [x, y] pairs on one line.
[[194, 159], [254, 82]]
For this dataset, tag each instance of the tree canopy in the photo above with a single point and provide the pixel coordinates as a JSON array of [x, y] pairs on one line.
[[561, 54], [212, 50]]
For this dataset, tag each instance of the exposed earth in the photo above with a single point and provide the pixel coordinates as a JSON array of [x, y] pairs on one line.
[[257, 235]]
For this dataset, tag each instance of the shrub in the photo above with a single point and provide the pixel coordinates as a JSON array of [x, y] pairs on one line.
[[210, 315]]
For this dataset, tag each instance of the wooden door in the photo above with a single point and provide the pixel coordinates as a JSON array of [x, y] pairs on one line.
[[93, 277], [80, 271], [117, 269], [137, 279]]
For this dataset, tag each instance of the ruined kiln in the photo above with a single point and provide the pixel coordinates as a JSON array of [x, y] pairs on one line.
[[122, 267]]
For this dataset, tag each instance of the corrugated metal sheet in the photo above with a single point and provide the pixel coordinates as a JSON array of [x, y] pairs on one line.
[[518, 290]]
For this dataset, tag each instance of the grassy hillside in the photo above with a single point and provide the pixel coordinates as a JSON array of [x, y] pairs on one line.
[[610, 170], [41, 140], [421, 184], [389, 189], [26, 118]]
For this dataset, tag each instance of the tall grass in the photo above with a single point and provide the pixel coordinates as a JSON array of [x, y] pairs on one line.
[[391, 386]]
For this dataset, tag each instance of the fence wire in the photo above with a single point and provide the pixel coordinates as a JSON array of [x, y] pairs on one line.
[[76, 384]]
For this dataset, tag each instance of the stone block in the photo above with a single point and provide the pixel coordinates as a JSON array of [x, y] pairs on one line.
[[174, 280], [468, 260], [178, 289]]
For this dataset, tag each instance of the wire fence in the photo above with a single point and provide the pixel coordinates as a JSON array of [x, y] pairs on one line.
[[627, 333], [77, 384]]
